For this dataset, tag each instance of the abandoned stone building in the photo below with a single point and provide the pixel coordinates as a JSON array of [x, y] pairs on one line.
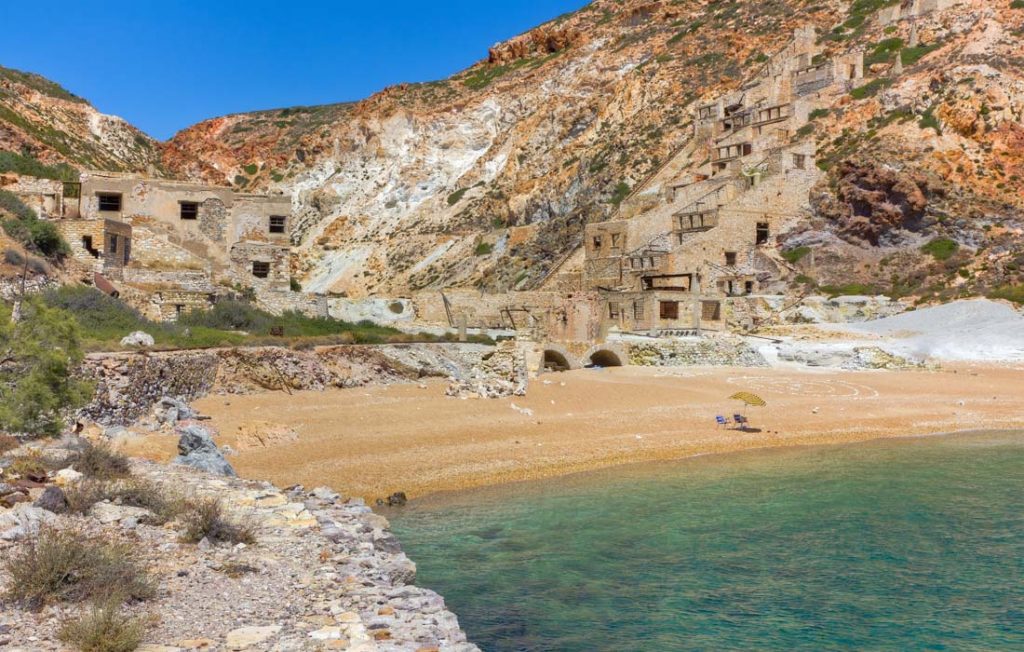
[[168, 247], [696, 244]]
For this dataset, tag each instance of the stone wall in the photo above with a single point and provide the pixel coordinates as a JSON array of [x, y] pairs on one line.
[[44, 196], [128, 384], [244, 254], [706, 351], [153, 249], [278, 302]]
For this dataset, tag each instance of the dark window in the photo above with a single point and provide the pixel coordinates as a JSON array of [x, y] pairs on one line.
[[597, 242], [748, 287], [178, 309], [277, 223], [127, 250], [710, 311], [638, 310], [109, 202], [112, 247], [730, 258], [189, 210], [87, 245], [613, 310], [669, 310], [260, 269], [800, 161], [762, 232]]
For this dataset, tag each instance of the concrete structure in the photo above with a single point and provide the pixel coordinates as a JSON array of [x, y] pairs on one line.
[[912, 9], [44, 196]]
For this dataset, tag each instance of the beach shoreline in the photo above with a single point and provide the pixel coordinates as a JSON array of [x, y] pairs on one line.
[[373, 441]]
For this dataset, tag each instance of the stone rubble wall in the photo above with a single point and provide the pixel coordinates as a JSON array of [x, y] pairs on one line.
[[697, 352], [128, 384]]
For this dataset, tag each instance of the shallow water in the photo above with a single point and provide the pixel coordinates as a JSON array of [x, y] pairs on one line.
[[912, 544]]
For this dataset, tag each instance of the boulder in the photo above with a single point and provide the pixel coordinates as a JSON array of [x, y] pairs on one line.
[[197, 449], [53, 500], [107, 512], [138, 338], [66, 477], [23, 520]]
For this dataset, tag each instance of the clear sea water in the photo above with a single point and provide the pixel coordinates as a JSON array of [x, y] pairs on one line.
[[911, 544]]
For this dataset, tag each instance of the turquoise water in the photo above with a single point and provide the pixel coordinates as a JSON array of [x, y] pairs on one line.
[[895, 545]]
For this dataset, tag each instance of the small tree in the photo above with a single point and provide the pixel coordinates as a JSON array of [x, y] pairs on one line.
[[38, 355]]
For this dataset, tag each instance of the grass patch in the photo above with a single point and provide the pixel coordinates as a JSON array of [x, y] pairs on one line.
[[929, 121], [849, 289], [1014, 293], [870, 89], [817, 114], [67, 565], [33, 167], [251, 169], [941, 248], [205, 519], [483, 248], [104, 628], [884, 51], [910, 56], [794, 256], [1017, 4]]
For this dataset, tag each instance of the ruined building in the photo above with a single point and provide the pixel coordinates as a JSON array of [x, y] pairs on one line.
[[698, 240], [167, 246]]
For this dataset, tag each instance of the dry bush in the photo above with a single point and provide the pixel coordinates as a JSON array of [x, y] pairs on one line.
[[137, 492], [8, 443], [67, 565], [205, 519], [104, 628], [102, 462], [30, 466], [81, 496], [236, 569]]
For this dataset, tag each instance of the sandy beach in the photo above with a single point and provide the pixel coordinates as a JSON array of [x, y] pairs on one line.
[[376, 440]]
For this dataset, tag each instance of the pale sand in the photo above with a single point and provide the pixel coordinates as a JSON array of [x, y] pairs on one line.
[[372, 441]]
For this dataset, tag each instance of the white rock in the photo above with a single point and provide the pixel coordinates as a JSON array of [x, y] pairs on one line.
[[23, 520], [107, 513], [138, 338], [66, 477]]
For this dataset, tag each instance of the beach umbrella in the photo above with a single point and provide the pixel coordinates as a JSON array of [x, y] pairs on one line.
[[749, 399]]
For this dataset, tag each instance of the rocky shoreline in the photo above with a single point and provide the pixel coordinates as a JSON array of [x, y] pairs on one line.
[[323, 573]]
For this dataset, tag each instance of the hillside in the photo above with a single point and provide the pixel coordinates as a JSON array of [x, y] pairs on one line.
[[42, 120], [486, 178]]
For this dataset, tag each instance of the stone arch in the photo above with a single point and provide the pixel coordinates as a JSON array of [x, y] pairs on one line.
[[557, 358], [606, 355]]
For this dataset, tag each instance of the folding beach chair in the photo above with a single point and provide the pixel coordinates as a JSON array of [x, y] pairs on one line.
[[722, 421], [740, 420]]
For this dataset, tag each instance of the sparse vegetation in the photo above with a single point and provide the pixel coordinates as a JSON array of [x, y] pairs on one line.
[[101, 462], [941, 248], [871, 88], [794, 256], [8, 443], [1014, 293], [849, 289], [456, 196], [621, 191], [28, 229], [251, 169], [483, 248], [68, 565], [103, 628], [33, 167], [205, 519]]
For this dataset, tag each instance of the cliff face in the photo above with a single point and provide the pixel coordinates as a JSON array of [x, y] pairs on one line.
[[43, 120], [487, 178]]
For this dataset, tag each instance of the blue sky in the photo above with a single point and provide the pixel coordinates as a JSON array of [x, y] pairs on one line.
[[164, 65]]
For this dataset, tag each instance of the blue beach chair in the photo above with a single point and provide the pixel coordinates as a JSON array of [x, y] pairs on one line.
[[722, 421], [741, 421]]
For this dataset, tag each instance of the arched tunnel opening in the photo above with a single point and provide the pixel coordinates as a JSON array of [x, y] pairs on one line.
[[605, 358], [555, 361]]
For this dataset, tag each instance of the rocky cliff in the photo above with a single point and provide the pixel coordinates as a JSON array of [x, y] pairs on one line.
[[487, 177], [40, 119]]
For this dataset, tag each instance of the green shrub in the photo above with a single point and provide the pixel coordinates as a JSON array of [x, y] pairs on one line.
[[929, 121], [941, 248], [794, 256], [1017, 4], [38, 354], [817, 114], [621, 191], [456, 196], [910, 56], [251, 169], [29, 230], [28, 165], [294, 285], [849, 289], [883, 51], [67, 565], [483, 248]]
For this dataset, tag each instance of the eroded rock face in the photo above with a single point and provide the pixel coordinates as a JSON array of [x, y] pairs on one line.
[[871, 201]]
